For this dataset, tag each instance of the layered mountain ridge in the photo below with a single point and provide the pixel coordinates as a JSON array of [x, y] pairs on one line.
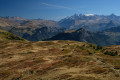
[[107, 37], [93, 23], [30, 29], [96, 26]]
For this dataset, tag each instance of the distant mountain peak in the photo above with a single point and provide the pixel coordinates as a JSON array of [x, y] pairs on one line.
[[14, 18], [89, 14], [113, 14], [82, 29], [92, 22]]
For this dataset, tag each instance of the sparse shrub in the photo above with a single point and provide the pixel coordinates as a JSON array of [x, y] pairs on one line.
[[65, 51], [90, 53], [90, 45], [98, 47], [80, 47], [39, 60], [69, 55], [83, 45], [94, 47], [116, 53], [117, 67], [111, 53]]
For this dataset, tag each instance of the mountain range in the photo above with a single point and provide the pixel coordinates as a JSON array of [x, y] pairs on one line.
[[98, 29], [91, 22], [30, 29]]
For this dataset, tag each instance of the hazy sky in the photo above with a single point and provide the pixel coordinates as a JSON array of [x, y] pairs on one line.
[[57, 9]]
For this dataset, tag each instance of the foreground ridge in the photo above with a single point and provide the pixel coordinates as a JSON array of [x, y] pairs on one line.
[[57, 60]]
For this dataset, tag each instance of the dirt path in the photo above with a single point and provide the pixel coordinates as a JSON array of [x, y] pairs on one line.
[[106, 64]]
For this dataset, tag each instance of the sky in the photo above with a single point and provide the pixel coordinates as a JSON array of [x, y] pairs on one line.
[[57, 9]]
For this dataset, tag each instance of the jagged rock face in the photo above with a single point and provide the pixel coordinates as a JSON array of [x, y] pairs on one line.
[[91, 22]]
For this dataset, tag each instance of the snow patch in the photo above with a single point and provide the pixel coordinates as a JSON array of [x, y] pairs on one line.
[[89, 14]]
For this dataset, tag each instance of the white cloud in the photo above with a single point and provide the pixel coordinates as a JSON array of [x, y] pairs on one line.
[[64, 7], [56, 6]]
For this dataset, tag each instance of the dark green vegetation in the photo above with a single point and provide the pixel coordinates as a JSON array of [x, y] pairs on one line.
[[111, 53], [56, 60]]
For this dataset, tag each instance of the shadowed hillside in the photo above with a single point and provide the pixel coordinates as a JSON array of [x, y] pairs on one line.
[[83, 35], [109, 36]]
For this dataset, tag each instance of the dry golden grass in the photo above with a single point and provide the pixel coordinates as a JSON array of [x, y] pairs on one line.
[[56, 60]]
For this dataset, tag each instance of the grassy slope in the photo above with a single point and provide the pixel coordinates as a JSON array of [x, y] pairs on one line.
[[56, 60], [8, 36]]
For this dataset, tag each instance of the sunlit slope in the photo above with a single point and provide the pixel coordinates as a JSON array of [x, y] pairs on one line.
[[57, 60], [4, 35]]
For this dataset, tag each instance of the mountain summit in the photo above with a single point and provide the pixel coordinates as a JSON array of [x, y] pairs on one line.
[[89, 14], [90, 21]]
